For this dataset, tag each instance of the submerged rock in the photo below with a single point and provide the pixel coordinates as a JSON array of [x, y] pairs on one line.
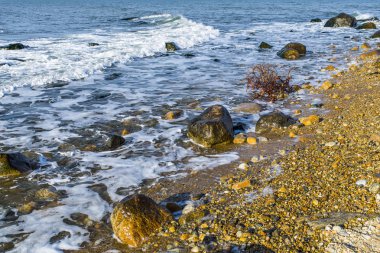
[[273, 120], [292, 51], [15, 46], [115, 141], [213, 126], [93, 44], [171, 115], [342, 20], [251, 108], [367, 25], [13, 164], [136, 217], [376, 35], [264, 45], [316, 20], [171, 46]]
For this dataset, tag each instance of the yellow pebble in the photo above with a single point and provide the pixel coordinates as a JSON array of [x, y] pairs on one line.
[[292, 135], [252, 140]]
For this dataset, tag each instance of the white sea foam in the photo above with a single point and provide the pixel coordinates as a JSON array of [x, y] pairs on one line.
[[48, 60]]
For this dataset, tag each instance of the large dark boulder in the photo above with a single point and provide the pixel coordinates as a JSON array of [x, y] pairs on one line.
[[376, 35], [273, 120], [292, 51], [15, 46], [14, 164], [367, 25], [342, 20], [136, 217], [213, 126]]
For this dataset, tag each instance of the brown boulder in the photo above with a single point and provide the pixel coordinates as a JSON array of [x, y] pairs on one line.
[[136, 217]]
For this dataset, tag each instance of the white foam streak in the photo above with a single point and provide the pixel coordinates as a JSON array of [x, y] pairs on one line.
[[70, 58]]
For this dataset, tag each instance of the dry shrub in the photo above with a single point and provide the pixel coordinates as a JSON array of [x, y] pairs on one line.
[[264, 82]]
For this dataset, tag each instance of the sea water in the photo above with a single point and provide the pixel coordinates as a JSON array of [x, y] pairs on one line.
[[59, 86]]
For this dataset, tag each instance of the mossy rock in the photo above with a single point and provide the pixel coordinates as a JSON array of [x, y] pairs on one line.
[[93, 44], [136, 217], [171, 46], [14, 164], [214, 126], [342, 20], [264, 45], [367, 25], [292, 51], [273, 120], [376, 35]]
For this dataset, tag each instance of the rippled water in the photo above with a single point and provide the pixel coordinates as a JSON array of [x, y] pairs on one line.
[[60, 89]]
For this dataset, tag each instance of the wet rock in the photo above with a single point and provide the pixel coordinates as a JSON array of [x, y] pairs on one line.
[[239, 139], [101, 189], [15, 46], [214, 126], [273, 120], [136, 217], [26, 208], [310, 120], [171, 115], [367, 25], [342, 20], [5, 246], [115, 141], [9, 215], [316, 20], [112, 76], [370, 55], [59, 237], [326, 85], [13, 164], [251, 108], [173, 207], [292, 51], [264, 45], [93, 44], [376, 35], [46, 194], [171, 47]]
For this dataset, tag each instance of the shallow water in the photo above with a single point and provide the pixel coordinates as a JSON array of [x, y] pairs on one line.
[[60, 89]]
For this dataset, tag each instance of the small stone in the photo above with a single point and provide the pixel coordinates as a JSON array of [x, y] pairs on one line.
[[374, 188], [27, 208], [361, 182], [262, 139], [184, 237], [310, 120], [282, 152], [356, 48], [315, 202], [330, 144], [190, 207], [172, 115], [252, 140], [326, 85], [365, 46], [292, 135], [195, 249], [239, 139], [337, 229], [297, 112], [243, 166], [330, 68], [281, 190], [239, 234], [46, 194], [241, 185], [124, 132], [173, 207], [264, 45], [255, 159], [171, 229]]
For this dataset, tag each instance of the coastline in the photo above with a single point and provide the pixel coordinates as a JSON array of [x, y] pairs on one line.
[[313, 198]]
